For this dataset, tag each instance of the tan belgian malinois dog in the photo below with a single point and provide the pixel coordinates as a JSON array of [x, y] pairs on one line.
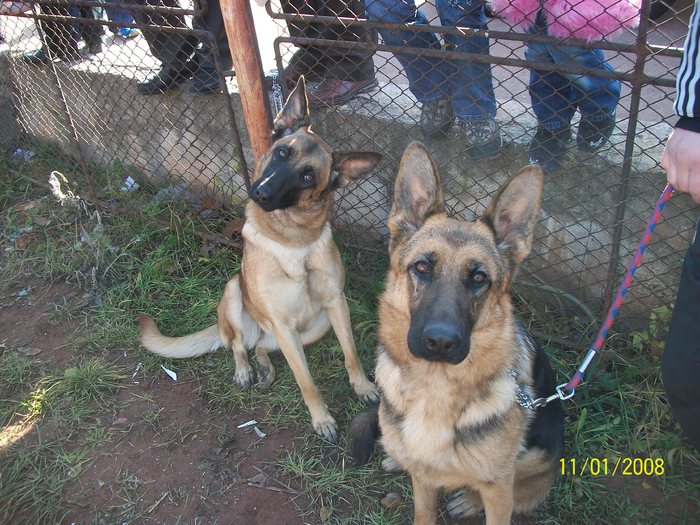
[[456, 370], [289, 291]]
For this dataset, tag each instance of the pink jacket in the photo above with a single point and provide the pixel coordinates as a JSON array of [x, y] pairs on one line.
[[585, 19]]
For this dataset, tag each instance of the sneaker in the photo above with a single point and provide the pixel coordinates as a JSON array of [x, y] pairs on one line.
[[548, 146], [483, 138], [436, 118], [127, 32], [593, 134]]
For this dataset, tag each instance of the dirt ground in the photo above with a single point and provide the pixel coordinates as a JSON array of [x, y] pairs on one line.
[[189, 466], [175, 452]]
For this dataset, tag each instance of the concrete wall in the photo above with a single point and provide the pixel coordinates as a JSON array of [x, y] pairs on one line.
[[9, 130]]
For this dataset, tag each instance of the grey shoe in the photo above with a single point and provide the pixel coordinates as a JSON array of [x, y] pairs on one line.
[[483, 138], [436, 118]]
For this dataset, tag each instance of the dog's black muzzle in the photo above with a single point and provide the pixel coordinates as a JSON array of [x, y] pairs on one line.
[[262, 195], [439, 340], [275, 191]]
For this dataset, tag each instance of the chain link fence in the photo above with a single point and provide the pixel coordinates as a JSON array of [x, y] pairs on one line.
[[134, 100], [442, 69], [485, 94]]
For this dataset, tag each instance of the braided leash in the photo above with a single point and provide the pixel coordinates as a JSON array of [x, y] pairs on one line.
[[567, 390]]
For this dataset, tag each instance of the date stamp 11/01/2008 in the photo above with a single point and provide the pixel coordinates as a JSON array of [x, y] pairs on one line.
[[640, 467]]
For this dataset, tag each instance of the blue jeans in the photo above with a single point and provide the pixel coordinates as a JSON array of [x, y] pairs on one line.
[[118, 15], [467, 84], [556, 96], [113, 14]]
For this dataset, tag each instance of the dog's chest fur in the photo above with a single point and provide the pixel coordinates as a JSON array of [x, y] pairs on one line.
[[293, 261], [431, 423], [302, 279]]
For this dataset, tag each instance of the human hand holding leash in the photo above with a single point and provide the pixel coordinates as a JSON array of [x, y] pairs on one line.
[[681, 160]]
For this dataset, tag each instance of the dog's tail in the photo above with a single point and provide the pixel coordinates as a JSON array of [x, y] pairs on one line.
[[363, 433], [202, 342]]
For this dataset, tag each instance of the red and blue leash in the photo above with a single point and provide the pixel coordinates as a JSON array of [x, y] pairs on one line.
[[567, 390]]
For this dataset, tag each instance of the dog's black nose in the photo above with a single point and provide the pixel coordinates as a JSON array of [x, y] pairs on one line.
[[261, 195], [441, 338]]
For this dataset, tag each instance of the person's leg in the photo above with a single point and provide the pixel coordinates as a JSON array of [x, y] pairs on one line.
[[551, 93], [427, 76], [61, 37], [213, 21], [206, 78], [349, 72], [471, 84], [309, 61], [121, 16], [553, 103], [91, 33], [168, 47], [596, 97], [347, 64], [174, 50], [116, 14], [597, 102], [680, 365]]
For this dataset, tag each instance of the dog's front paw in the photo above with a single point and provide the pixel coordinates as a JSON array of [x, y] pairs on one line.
[[244, 376], [327, 428], [367, 392], [266, 376], [464, 504]]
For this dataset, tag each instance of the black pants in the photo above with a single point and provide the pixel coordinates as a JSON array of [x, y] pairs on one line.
[[680, 365], [175, 49], [62, 37], [331, 62]]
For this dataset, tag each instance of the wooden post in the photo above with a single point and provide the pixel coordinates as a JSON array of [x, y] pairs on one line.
[[243, 43]]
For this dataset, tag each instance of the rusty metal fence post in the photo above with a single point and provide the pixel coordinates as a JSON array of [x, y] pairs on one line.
[[243, 43]]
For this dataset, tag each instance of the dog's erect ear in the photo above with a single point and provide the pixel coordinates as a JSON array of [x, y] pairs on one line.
[[295, 113], [417, 193], [514, 210], [350, 166]]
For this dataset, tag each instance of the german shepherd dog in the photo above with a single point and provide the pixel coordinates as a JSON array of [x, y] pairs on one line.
[[455, 369], [289, 291]]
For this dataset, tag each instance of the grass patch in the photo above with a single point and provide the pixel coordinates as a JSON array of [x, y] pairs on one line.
[[124, 265], [32, 479]]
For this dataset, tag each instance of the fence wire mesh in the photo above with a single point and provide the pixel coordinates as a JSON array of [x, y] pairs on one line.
[[488, 96], [485, 94], [73, 71]]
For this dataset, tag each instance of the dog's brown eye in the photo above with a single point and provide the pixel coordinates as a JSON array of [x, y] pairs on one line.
[[479, 277], [308, 176], [422, 267], [283, 153]]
